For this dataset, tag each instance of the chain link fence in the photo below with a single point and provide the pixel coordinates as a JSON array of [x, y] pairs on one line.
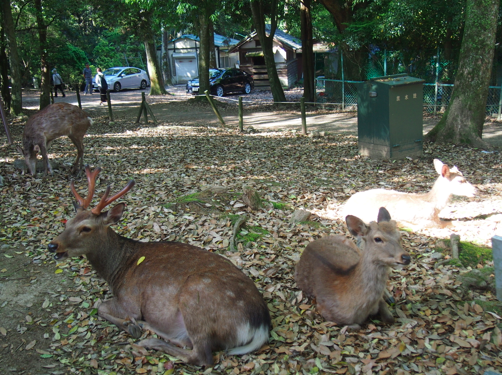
[[343, 95]]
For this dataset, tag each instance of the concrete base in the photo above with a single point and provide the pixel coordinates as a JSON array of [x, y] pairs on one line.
[[379, 152]]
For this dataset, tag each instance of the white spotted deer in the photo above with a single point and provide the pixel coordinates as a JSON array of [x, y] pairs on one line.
[[53, 122], [409, 209], [196, 301], [348, 283]]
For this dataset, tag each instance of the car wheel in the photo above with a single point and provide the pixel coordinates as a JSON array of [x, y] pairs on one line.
[[219, 91], [143, 85], [116, 87], [247, 88]]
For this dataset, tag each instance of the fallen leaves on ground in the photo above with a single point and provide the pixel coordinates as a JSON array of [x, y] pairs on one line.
[[440, 327]]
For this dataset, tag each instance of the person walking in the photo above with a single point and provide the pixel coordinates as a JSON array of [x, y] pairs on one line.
[[57, 81], [102, 84], [88, 80]]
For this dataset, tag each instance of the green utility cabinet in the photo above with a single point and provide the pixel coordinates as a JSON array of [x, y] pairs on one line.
[[390, 117]]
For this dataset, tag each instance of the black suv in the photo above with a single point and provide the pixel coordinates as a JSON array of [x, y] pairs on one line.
[[223, 81]]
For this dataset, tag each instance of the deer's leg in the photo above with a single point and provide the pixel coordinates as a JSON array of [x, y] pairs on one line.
[[385, 314], [79, 161], [200, 355], [47, 164], [114, 313]]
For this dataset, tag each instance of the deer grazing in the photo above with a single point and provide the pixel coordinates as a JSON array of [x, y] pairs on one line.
[[408, 208], [196, 301], [348, 283], [53, 122]]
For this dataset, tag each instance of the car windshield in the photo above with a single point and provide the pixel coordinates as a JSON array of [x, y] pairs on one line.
[[213, 73], [112, 72]]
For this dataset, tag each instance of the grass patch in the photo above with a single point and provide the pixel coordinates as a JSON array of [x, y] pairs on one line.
[[493, 306], [470, 255], [279, 206], [251, 234]]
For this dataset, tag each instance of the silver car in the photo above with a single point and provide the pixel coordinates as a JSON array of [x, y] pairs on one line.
[[128, 77]]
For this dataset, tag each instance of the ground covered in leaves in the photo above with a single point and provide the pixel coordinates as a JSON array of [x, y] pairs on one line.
[[189, 185]]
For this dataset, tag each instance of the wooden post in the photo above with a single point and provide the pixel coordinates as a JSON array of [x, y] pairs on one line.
[[214, 107], [241, 115], [78, 96], [110, 112], [304, 118], [145, 109], [143, 101], [497, 264]]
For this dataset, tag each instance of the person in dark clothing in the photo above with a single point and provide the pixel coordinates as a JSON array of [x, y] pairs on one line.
[[102, 84]]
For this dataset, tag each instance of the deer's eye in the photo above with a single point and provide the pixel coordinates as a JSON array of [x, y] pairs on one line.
[[377, 240], [86, 229]]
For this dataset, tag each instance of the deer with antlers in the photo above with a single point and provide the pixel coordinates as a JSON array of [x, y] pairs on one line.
[[196, 301]]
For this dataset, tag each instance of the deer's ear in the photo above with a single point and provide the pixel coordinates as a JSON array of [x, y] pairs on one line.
[[356, 226], [113, 216], [383, 215]]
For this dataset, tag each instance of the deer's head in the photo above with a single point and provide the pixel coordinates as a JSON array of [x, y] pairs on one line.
[[85, 231]]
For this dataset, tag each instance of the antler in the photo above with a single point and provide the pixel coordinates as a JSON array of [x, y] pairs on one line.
[[105, 201], [91, 180]]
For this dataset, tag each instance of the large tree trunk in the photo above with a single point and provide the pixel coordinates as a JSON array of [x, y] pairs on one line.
[[307, 51], [165, 59], [46, 87], [463, 121], [156, 81], [4, 70], [15, 62], [267, 43], [204, 54]]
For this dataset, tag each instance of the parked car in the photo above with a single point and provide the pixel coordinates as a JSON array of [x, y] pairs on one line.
[[223, 81], [128, 77]]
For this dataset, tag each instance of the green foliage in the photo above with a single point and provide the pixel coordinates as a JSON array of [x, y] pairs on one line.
[[470, 255]]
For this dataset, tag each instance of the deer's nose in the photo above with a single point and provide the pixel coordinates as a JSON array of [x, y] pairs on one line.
[[52, 247], [406, 259]]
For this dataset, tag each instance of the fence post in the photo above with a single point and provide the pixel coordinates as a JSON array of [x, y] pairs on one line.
[[78, 96], [304, 118], [497, 263], [110, 112], [241, 115], [216, 112], [343, 82], [499, 117], [435, 97]]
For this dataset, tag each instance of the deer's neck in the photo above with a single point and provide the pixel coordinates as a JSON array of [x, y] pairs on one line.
[[372, 276], [112, 256], [440, 193]]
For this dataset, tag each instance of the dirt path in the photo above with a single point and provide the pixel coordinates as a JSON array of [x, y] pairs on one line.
[[259, 112]]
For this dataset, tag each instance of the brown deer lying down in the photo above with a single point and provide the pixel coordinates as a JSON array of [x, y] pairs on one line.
[[53, 122], [197, 300], [408, 208], [348, 283]]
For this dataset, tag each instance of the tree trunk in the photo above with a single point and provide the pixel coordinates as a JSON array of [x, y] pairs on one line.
[[267, 43], [46, 87], [204, 55], [212, 49], [463, 121], [307, 51], [15, 62], [165, 58], [4, 71], [156, 81]]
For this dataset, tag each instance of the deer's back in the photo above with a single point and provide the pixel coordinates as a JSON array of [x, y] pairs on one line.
[[57, 120], [174, 277], [406, 208], [327, 263]]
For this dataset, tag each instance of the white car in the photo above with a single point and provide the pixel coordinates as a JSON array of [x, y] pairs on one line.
[[128, 77]]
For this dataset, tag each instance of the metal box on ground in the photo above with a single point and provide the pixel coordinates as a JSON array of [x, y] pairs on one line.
[[390, 117]]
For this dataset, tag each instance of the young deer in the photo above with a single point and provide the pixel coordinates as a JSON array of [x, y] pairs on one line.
[[53, 122], [408, 208], [197, 300], [348, 283]]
